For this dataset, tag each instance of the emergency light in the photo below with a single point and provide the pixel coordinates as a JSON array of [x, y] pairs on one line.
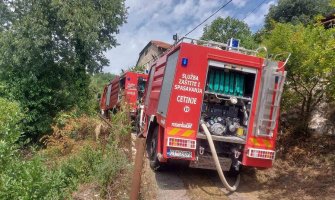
[[235, 43], [184, 62]]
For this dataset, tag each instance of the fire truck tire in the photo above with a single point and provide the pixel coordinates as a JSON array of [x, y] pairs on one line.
[[154, 162]]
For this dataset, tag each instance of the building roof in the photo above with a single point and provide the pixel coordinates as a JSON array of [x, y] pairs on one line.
[[157, 43], [160, 44]]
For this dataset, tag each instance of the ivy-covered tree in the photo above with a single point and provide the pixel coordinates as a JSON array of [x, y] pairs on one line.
[[48, 49], [222, 29], [311, 68]]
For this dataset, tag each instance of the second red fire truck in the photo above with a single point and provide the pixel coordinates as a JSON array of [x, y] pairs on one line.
[[213, 105], [128, 87]]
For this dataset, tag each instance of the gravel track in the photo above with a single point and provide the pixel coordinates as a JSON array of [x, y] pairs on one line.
[[189, 184]]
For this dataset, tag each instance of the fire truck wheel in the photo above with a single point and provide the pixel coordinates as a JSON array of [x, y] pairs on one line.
[[154, 162]]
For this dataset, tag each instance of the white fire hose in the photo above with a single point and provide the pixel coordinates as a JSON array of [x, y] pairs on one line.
[[217, 162]]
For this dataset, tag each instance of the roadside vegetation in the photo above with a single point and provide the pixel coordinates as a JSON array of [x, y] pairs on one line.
[[73, 155], [50, 74]]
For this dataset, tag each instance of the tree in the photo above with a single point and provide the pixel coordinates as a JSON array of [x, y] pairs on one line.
[[220, 30], [4, 15], [137, 69], [10, 130], [49, 47], [99, 80], [311, 68], [296, 11]]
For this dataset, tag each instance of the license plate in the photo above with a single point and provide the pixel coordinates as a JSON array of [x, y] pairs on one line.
[[179, 153]]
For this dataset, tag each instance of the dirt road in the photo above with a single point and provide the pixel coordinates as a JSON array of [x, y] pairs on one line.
[[196, 184], [188, 184], [285, 180]]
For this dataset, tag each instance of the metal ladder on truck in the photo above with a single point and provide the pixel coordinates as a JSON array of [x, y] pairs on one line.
[[272, 84]]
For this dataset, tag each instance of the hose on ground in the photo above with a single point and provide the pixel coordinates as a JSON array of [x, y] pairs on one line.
[[217, 162]]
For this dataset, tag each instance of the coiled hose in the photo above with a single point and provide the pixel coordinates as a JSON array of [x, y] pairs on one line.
[[217, 162]]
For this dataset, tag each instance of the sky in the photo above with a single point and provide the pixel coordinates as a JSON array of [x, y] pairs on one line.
[[161, 19]]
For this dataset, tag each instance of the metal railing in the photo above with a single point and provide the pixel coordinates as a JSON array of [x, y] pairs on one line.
[[218, 45]]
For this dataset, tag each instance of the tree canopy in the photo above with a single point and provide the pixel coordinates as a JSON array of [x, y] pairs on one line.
[[99, 80], [140, 68], [311, 68], [222, 29], [297, 11], [49, 47]]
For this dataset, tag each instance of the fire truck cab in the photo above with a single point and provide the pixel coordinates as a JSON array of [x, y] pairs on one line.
[[230, 90], [129, 86]]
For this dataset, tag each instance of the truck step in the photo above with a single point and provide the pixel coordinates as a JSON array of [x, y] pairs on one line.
[[228, 138], [206, 162]]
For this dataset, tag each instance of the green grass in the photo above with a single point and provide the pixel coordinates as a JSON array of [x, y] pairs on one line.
[[32, 179], [49, 175]]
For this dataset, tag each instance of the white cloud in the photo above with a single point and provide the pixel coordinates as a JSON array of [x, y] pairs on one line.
[[160, 19], [239, 3], [257, 18]]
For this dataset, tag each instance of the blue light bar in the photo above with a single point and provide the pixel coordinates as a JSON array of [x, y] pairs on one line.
[[235, 43], [184, 62]]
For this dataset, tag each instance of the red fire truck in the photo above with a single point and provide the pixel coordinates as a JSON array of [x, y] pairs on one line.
[[129, 86], [214, 105]]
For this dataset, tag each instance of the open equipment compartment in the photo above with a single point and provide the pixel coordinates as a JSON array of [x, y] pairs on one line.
[[227, 99]]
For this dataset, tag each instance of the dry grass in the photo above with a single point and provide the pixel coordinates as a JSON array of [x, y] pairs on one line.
[[73, 134], [304, 170], [70, 136]]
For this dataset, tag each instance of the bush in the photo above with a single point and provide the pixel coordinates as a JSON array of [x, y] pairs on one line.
[[32, 179], [112, 166], [43, 176], [10, 130]]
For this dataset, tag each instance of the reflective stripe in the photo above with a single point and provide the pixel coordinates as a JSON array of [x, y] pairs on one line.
[[261, 142], [255, 142], [174, 131], [181, 132], [187, 133], [267, 143]]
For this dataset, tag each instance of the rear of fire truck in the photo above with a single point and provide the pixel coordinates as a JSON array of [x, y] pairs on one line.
[[128, 87], [215, 106], [132, 85]]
